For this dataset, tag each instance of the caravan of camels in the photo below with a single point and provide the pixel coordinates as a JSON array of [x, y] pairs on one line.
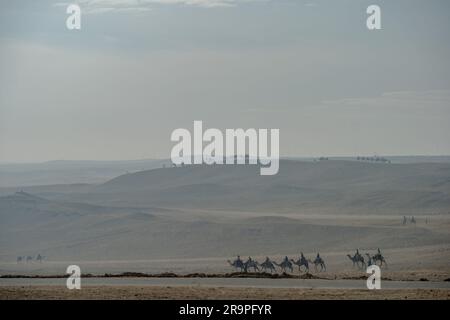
[[287, 265]]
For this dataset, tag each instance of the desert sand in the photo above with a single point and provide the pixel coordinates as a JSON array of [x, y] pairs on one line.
[[172, 293], [193, 219]]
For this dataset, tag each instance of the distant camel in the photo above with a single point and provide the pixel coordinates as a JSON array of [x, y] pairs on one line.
[[39, 258], [268, 265], [237, 264], [358, 260], [318, 261], [302, 262], [29, 258], [285, 264], [249, 264], [378, 257], [20, 259]]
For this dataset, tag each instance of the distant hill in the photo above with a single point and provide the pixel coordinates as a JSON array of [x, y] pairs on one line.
[[70, 171], [223, 210], [79, 232], [334, 186]]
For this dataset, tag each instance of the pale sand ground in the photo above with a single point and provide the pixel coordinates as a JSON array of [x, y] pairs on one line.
[[193, 292]]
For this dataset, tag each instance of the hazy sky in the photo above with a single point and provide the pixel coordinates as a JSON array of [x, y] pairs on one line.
[[137, 70]]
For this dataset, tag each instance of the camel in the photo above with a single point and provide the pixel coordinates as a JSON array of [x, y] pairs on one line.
[[29, 259], [285, 264], [267, 265], [302, 261], [237, 264], [39, 258], [378, 257], [319, 262], [20, 259], [251, 264], [357, 260]]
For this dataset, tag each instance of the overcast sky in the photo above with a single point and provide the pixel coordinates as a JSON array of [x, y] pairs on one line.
[[137, 70]]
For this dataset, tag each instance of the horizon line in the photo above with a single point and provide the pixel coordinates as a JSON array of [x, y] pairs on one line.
[[168, 159]]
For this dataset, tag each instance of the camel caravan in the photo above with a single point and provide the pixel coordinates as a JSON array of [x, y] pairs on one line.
[[28, 259], [359, 261], [303, 264], [286, 265]]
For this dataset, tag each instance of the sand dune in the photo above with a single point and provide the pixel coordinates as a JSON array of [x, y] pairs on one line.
[[215, 213]]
